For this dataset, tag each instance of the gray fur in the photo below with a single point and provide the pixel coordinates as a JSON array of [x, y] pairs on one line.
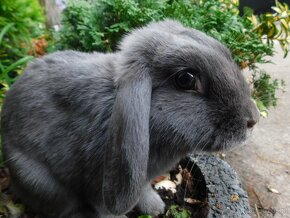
[[85, 133]]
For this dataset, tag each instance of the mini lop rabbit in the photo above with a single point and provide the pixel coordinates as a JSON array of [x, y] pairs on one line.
[[85, 133]]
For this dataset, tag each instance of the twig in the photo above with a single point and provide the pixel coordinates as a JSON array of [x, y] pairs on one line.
[[257, 211], [257, 196]]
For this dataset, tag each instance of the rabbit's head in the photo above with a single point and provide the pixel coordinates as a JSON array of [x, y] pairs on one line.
[[178, 90]]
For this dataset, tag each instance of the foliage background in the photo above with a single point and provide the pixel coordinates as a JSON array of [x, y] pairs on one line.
[[99, 25], [20, 21], [89, 25]]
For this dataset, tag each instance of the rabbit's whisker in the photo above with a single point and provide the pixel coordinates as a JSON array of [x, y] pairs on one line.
[[190, 171]]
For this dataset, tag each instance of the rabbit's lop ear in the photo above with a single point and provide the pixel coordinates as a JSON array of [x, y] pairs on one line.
[[127, 154]]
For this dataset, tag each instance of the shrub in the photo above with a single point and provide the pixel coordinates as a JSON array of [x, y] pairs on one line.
[[236, 32], [19, 23], [25, 16], [274, 26], [265, 88], [100, 27], [8, 65]]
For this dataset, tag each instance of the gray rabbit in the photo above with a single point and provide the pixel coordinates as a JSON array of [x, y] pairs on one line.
[[85, 133]]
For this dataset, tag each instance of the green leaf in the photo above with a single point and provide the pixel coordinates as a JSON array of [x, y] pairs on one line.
[[278, 10], [264, 114], [8, 208], [15, 210], [145, 216], [5, 30], [177, 212], [20, 62]]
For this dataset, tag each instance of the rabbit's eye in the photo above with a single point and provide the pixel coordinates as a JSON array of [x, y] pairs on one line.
[[187, 80]]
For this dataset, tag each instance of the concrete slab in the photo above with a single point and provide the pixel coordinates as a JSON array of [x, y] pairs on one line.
[[264, 163]]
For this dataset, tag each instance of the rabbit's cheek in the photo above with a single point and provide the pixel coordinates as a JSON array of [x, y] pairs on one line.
[[228, 135], [221, 144]]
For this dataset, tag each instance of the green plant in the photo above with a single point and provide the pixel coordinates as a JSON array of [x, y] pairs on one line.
[[7, 66], [79, 30], [26, 16], [8, 208], [274, 26], [19, 23], [145, 216], [214, 18], [99, 25], [232, 5], [176, 211], [265, 88]]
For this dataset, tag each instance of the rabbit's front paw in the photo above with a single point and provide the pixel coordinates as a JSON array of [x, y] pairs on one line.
[[150, 202]]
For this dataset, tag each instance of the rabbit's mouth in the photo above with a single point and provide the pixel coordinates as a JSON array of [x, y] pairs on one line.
[[226, 143], [221, 141]]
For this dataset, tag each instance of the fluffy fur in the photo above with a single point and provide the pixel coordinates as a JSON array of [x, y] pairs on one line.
[[85, 133]]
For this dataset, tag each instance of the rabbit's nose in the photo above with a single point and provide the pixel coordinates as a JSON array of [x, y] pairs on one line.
[[253, 116], [251, 123]]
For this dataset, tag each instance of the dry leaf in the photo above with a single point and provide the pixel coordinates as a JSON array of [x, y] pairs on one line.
[[270, 189], [160, 178], [166, 184], [192, 201]]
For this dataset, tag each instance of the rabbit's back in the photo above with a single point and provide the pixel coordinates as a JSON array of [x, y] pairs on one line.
[[57, 112]]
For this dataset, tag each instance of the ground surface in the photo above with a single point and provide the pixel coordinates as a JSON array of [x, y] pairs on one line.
[[265, 161]]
